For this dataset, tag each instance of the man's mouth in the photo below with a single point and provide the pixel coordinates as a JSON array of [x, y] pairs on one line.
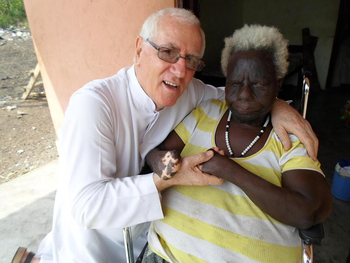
[[172, 85]]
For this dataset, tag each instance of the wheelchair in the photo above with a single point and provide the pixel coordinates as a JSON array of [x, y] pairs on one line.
[[314, 234], [310, 237]]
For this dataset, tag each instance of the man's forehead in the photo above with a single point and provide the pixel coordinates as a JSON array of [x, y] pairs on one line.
[[177, 34]]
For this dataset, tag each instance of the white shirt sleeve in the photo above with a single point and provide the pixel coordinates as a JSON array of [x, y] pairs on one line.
[[209, 91], [96, 194]]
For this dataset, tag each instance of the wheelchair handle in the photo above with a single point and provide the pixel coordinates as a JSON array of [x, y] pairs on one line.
[[306, 72]]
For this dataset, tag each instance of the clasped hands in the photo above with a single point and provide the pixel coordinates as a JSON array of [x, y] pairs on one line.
[[199, 169]]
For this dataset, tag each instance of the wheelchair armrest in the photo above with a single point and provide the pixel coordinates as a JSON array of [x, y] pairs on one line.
[[312, 235]]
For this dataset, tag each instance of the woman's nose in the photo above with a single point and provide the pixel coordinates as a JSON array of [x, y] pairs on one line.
[[245, 92]]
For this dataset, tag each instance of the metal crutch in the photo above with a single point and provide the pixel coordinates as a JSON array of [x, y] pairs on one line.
[[129, 251]]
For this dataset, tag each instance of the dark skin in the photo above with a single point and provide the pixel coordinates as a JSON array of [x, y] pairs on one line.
[[251, 86]]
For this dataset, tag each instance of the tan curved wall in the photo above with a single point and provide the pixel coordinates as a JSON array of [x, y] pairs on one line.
[[81, 40]]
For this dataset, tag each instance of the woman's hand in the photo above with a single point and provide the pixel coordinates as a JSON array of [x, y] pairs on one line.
[[164, 163], [216, 165]]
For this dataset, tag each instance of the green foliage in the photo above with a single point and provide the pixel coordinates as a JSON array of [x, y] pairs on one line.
[[12, 13]]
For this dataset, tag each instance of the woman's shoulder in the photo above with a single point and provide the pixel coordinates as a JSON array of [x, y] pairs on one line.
[[213, 106]]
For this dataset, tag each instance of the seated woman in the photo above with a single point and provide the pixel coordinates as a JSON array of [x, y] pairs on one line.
[[267, 194]]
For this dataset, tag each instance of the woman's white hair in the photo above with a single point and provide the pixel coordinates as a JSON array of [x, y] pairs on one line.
[[260, 38], [150, 26]]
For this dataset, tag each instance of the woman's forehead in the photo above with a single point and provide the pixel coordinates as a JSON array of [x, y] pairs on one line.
[[255, 62]]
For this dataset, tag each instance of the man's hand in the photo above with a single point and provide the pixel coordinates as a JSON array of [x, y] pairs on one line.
[[188, 173], [285, 119]]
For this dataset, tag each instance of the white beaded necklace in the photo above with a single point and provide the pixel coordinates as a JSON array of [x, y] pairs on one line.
[[227, 140]]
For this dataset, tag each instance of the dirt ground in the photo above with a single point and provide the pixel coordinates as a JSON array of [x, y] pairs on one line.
[[27, 135]]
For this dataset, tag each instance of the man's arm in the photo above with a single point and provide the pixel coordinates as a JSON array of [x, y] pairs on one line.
[[303, 200], [285, 119], [97, 190]]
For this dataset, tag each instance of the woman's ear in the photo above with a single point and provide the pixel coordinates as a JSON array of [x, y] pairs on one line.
[[279, 85]]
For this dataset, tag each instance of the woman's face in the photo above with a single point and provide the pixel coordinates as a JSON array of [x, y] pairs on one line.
[[251, 86]]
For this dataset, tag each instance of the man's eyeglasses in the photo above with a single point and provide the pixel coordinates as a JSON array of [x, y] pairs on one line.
[[172, 56]]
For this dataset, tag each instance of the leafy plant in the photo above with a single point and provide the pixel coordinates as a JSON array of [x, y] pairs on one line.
[[12, 12]]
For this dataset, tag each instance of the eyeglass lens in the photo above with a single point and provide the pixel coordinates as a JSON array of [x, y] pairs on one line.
[[172, 56]]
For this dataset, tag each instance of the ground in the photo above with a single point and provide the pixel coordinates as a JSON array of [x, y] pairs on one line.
[[27, 135]]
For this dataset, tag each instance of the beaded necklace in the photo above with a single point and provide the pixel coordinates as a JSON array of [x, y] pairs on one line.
[[227, 140]]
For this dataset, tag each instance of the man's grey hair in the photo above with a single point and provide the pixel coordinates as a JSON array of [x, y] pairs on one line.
[[260, 38], [150, 26]]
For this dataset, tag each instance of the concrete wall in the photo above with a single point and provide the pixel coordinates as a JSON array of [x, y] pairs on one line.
[[221, 18], [81, 40]]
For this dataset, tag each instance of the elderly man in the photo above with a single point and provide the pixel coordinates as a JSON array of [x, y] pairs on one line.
[[111, 124], [268, 192]]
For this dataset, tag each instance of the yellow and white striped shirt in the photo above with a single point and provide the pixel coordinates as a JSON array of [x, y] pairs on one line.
[[221, 223]]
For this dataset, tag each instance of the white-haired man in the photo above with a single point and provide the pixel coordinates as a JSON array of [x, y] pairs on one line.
[[111, 124]]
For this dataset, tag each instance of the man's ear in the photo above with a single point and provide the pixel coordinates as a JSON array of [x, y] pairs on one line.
[[138, 50]]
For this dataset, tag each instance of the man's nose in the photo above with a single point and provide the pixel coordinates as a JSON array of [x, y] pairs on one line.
[[179, 68]]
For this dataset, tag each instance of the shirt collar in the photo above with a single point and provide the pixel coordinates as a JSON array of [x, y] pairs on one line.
[[141, 99]]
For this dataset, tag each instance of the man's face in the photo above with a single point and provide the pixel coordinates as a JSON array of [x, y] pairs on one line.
[[251, 85], [164, 82]]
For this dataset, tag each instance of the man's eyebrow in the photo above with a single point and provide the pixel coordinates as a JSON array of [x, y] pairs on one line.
[[170, 46]]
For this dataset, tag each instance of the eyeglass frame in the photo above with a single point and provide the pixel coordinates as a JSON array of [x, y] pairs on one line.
[[200, 64]]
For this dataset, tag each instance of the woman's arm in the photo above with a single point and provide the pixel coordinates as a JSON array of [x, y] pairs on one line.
[[303, 200], [165, 160]]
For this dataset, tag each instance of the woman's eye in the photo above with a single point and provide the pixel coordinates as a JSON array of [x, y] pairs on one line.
[[258, 85]]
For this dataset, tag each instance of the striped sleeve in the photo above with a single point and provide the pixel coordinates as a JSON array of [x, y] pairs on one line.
[[296, 157]]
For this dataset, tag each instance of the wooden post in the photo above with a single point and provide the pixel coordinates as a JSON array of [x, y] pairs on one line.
[[31, 85]]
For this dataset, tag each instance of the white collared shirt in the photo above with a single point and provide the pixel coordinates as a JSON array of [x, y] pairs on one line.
[[110, 125]]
